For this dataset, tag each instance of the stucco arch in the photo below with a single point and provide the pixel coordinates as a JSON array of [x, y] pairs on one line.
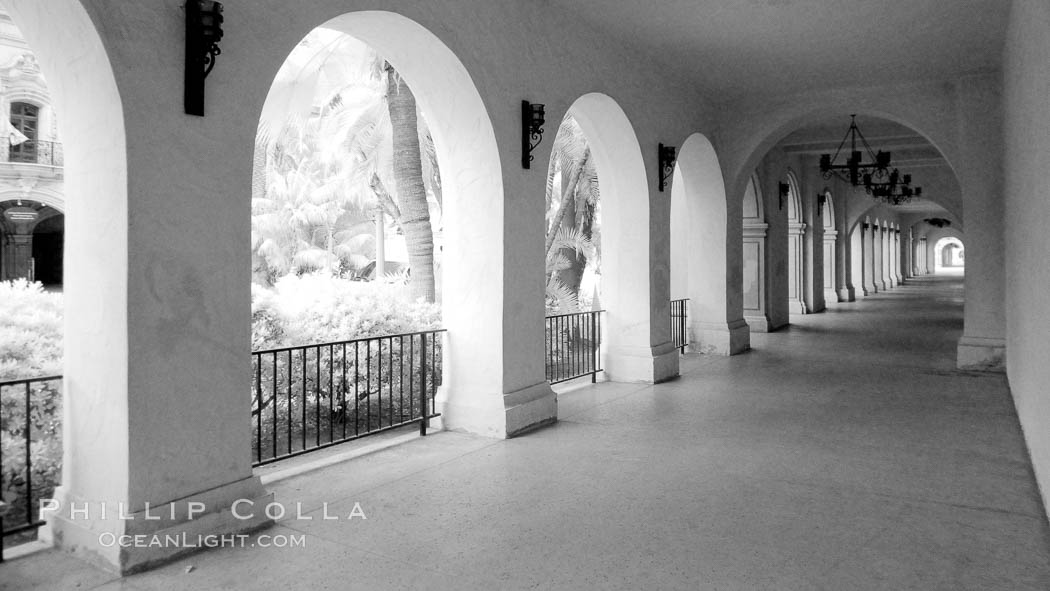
[[699, 256], [472, 211], [626, 277], [84, 89], [47, 196], [761, 131], [797, 270]]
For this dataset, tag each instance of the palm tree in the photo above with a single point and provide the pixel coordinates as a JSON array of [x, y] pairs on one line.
[[572, 223], [387, 162]]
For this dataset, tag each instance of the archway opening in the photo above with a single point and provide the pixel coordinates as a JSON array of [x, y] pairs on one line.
[[375, 163], [625, 271], [796, 229], [949, 256], [698, 247], [69, 437]]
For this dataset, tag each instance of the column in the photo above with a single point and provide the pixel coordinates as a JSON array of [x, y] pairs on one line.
[[754, 258], [897, 255], [868, 242], [796, 269], [878, 261], [832, 278]]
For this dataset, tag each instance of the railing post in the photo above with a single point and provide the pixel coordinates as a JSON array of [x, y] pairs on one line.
[[595, 345], [29, 456], [424, 422]]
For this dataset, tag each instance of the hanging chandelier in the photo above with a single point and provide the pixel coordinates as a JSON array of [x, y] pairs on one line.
[[855, 167], [875, 175], [895, 190]]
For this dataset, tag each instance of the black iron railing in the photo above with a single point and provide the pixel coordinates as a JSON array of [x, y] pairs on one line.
[[30, 452], [679, 324], [573, 346], [36, 152], [308, 398]]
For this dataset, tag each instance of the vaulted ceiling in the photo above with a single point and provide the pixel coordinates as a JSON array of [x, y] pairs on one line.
[[733, 48], [912, 154]]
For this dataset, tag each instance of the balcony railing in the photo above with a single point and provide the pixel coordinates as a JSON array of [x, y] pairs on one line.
[[679, 324], [35, 152], [312, 397], [573, 343], [30, 453]]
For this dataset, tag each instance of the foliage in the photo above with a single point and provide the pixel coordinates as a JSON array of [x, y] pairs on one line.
[[316, 392], [573, 221], [320, 308], [30, 346], [326, 163], [30, 330]]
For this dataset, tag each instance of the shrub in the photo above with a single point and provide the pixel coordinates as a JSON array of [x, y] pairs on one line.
[[30, 346], [319, 308], [30, 330]]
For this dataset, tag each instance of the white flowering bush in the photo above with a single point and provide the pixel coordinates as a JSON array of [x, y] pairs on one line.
[[30, 346], [319, 308]]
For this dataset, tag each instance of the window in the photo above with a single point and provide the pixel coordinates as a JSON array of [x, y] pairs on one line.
[[25, 118]]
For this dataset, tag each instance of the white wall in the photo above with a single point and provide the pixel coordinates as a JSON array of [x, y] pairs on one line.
[[1027, 219]]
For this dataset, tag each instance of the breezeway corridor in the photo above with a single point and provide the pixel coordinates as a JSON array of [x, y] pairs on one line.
[[844, 452]]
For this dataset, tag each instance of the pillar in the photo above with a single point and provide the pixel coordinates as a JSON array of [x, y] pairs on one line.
[[878, 259], [868, 259], [796, 274], [833, 283], [897, 255]]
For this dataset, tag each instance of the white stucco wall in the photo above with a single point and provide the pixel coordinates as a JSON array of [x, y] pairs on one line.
[[1027, 158]]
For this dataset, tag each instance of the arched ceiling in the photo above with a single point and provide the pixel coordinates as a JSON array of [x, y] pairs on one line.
[[768, 47], [912, 154]]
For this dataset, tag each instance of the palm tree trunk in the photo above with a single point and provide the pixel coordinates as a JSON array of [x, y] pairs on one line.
[[411, 192], [569, 196]]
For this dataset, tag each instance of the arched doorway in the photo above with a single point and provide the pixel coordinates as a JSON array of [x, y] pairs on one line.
[[471, 186], [698, 250], [631, 315], [796, 255], [755, 289], [833, 267]]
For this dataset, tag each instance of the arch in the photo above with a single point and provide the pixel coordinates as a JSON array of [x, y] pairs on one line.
[[754, 206], [96, 455], [626, 278], [772, 126], [47, 195], [698, 246], [753, 257], [796, 250], [828, 212], [473, 209], [834, 267]]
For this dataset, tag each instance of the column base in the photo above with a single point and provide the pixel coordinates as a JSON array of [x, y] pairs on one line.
[[797, 307], [645, 365], [847, 294], [499, 417], [757, 323], [719, 338], [97, 536], [982, 354], [831, 297]]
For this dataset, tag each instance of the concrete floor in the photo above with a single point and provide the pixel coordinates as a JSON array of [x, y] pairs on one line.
[[842, 453]]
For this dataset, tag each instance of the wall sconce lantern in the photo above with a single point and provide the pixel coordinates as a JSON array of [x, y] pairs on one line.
[[822, 200], [531, 130], [203, 33], [784, 190], [667, 158]]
